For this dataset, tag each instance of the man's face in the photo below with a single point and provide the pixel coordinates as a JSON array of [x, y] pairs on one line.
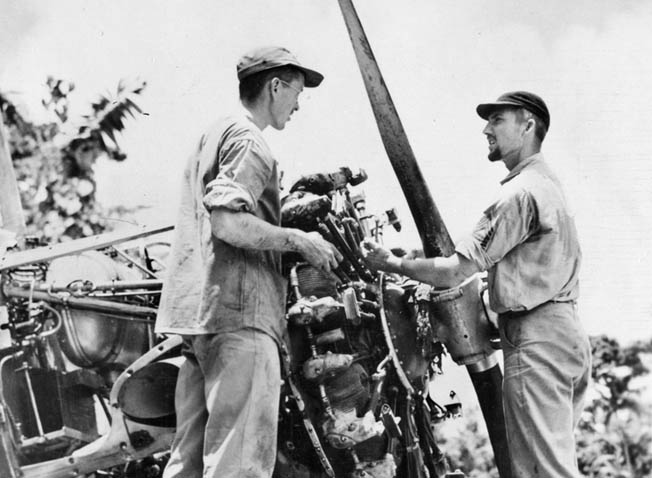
[[285, 100], [504, 132]]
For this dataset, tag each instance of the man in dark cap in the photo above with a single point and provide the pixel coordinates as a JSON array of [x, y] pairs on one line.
[[224, 291], [527, 242]]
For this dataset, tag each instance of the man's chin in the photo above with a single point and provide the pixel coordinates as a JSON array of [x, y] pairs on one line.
[[494, 156]]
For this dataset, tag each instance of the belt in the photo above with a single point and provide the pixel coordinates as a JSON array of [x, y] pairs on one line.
[[520, 313]]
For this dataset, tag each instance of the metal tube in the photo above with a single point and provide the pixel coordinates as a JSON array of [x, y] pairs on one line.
[[88, 286], [346, 268], [346, 250], [109, 307], [32, 399], [56, 326], [135, 263], [124, 294]]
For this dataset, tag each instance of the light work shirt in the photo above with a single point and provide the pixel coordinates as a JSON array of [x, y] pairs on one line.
[[212, 286], [527, 241]]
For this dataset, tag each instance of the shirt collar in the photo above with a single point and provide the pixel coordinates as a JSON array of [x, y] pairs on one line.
[[535, 158]]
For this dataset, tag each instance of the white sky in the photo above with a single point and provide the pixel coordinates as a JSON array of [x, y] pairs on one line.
[[589, 59]]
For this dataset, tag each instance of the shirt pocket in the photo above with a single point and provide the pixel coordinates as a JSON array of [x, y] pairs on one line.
[[230, 271], [512, 332]]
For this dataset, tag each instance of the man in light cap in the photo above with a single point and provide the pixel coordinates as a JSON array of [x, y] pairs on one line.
[[224, 291], [527, 242]]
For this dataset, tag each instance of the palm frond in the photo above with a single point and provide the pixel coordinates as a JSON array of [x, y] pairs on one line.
[[108, 116]]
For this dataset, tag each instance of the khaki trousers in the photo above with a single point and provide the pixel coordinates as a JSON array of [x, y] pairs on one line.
[[227, 398], [547, 370]]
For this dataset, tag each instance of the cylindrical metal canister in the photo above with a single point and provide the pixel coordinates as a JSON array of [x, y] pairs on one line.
[[458, 320]]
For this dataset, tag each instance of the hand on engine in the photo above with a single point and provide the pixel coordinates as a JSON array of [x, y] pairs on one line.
[[377, 257], [319, 252]]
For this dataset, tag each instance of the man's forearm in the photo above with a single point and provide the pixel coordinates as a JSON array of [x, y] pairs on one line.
[[439, 271], [244, 230], [422, 270]]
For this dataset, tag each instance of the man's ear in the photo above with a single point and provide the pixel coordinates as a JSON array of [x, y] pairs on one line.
[[274, 85], [531, 125]]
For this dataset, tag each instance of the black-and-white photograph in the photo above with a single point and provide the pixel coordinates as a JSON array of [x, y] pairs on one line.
[[325, 239]]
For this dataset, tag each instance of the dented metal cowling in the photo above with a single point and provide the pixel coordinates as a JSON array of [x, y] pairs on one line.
[[458, 320]]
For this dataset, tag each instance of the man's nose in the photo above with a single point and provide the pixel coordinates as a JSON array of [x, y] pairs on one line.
[[487, 129]]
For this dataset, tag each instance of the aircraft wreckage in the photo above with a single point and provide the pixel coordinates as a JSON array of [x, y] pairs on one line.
[[362, 355]]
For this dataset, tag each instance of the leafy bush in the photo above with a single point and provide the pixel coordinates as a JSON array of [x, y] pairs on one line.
[[615, 434], [614, 437], [54, 161]]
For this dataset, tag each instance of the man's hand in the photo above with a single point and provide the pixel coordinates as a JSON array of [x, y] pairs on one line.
[[318, 251], [438, 271], [378, 258], [242, 229]]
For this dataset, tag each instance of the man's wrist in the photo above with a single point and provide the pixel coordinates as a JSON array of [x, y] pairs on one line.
[[294, 239], [395, 264]]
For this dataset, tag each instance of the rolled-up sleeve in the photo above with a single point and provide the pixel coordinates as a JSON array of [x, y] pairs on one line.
[[242, 177], [505, 224]]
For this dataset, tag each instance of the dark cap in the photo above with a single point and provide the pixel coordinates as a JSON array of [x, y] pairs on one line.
[[518, 99], [269, 57]]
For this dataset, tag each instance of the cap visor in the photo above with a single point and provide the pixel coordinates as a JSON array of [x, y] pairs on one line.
[[485, 109], [311, 77]]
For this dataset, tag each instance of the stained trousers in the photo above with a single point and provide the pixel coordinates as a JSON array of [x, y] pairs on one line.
[[226, 402], [547, 369]]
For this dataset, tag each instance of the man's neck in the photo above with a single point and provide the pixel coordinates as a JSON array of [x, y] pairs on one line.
[[523, 154], [257, 113]]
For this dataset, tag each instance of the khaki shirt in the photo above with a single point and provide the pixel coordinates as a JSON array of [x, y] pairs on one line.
[[527, 241], [211, 286]]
